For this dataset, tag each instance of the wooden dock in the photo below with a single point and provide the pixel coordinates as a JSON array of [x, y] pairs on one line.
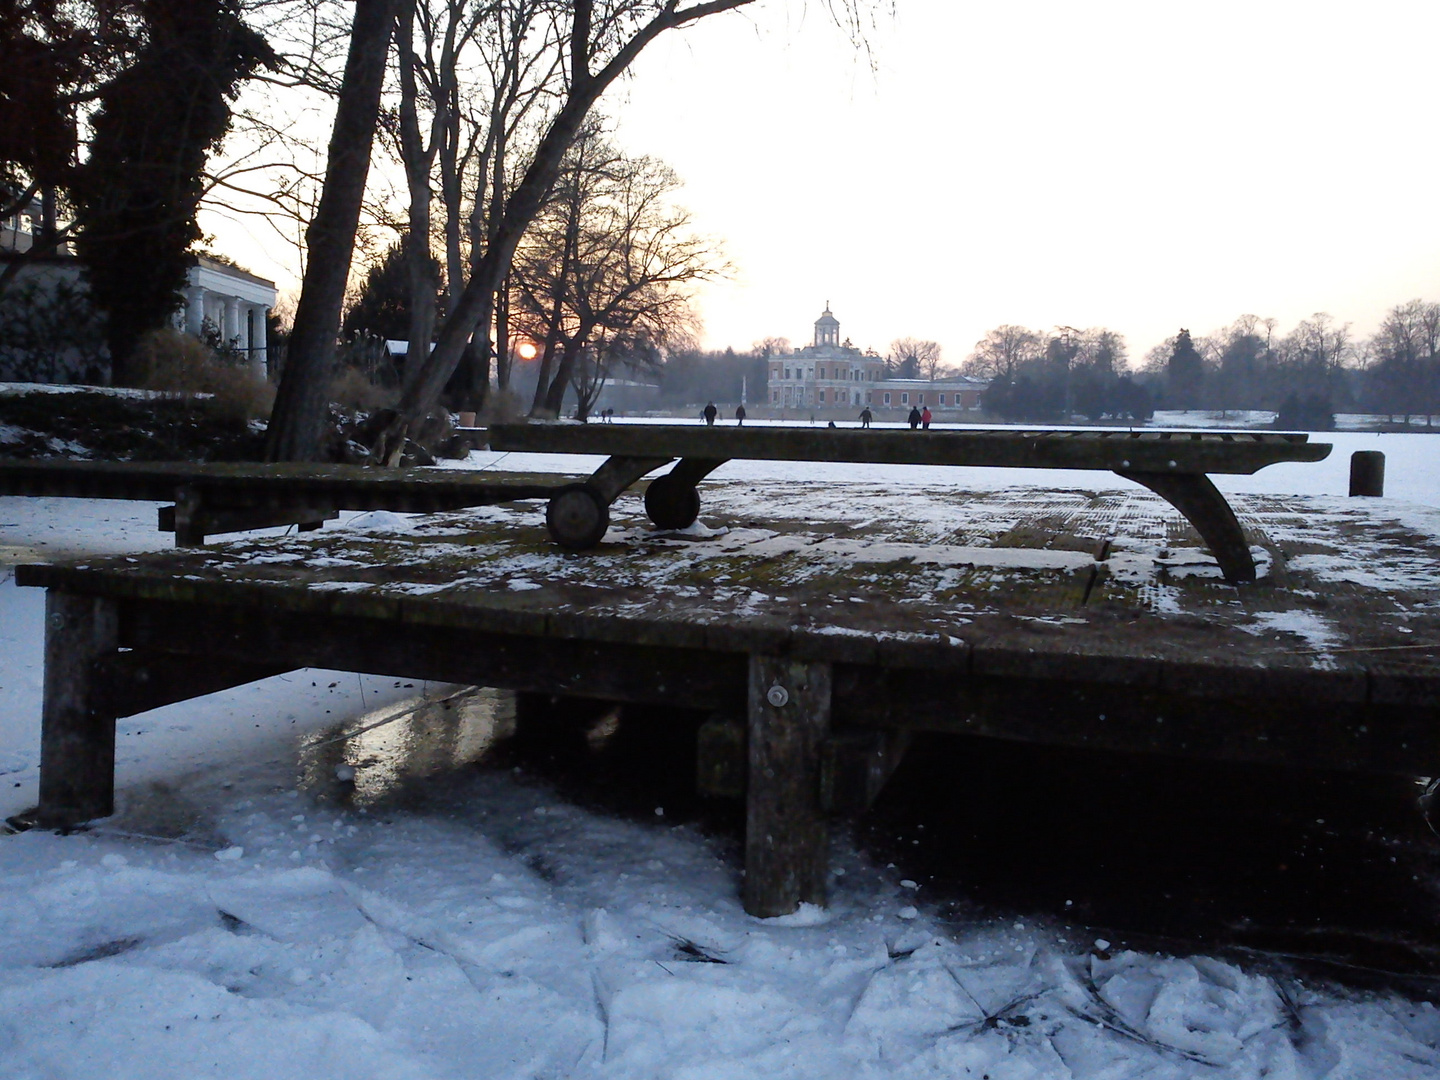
[[817, 633]]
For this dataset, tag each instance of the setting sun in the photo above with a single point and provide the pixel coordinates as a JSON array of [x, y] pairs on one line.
[[526, 350]]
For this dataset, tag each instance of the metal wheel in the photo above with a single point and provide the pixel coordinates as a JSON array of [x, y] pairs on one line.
[[577, 517], [671, 503]]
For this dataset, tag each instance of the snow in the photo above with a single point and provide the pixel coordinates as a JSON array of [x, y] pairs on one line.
[[235, 919]]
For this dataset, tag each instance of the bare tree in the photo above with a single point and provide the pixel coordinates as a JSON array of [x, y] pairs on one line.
[[601, 42], [916, 359], [1001, 352], [605, 270]]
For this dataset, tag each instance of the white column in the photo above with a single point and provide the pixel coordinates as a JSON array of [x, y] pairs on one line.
[[258, 364], [194, 309], [231, 331]]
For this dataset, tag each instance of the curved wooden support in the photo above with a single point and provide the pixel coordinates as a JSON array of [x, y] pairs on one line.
[[691, 471], [1199, 500], [618, 473]]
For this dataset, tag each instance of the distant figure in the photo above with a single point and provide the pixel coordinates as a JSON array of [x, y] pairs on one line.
[[914, 418], [740, 414], [709, 413], [831, 424], [925, 418], [866, 416]]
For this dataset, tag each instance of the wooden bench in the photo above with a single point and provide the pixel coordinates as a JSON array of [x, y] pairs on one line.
[[236, 497], [1174, 465]]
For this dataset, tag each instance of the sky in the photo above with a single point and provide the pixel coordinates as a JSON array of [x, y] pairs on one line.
[[1132, 165]]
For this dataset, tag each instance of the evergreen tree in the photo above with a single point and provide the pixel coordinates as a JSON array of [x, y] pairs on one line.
[[383, 305], [140, 188], [1184, 373]]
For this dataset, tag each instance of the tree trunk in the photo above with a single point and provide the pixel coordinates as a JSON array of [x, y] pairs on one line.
[[419, 264], [555, 396], [298, 420], [504, 357]]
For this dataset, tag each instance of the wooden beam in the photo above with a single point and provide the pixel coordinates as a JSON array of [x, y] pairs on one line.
[[1298, 730], [619, 671], [787, 842]]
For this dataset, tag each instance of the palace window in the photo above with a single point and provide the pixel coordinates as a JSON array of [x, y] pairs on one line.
[[822, 397], [905, 398], [887, 397], [942, 401]]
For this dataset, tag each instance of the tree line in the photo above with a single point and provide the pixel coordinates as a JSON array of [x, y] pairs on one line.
[[1305, 375]]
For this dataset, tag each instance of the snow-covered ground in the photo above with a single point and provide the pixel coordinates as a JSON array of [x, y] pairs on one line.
[[236, 920]]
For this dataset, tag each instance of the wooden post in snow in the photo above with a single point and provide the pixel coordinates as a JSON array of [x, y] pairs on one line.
[[787, 842]]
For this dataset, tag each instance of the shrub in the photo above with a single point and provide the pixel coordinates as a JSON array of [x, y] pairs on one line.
[[178, 363]]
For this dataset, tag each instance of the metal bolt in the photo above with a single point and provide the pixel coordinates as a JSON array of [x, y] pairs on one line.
[[778, 696]]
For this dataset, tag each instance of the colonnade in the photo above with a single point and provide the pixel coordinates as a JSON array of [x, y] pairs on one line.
[[240, 322]]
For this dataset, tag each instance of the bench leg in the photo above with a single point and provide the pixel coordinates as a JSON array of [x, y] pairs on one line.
[[1197, 497], [77, 737], [577, 515], [787, 842], [671, 500]]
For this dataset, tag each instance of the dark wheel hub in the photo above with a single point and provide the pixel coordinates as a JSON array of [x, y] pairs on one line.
[[577, 517]]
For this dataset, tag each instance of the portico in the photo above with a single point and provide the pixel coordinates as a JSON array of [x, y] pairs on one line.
[[235, 302]]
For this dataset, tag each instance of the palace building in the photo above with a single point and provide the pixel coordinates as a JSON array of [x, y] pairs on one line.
[[831, 374]]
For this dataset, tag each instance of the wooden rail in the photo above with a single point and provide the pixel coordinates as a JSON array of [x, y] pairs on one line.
[[234, 497]]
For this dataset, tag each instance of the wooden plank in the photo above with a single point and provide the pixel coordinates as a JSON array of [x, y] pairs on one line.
[[77, 734], [787, 845], [1150, 451]]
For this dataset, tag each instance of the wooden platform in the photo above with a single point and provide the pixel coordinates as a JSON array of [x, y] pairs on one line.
[[816, 636]]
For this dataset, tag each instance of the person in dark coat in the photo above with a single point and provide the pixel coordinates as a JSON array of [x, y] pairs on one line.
[[740, 414], [914, 418], [709, 413], [866, 416], [925, 418]]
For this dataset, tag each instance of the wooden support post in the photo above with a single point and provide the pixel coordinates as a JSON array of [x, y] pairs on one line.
[[77, 737], [787, 844]]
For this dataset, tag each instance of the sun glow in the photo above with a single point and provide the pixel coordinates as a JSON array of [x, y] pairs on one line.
[[526, 350]]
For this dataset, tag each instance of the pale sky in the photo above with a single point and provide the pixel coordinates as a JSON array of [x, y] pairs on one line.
[[1137, 165]]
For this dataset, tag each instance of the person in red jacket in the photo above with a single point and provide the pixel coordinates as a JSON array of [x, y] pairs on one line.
[[926, 417]]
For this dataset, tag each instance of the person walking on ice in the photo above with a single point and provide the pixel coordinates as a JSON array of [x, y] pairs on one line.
[[740, 415], [709, 413], [914, 418], [926, 417], [866, 416]]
